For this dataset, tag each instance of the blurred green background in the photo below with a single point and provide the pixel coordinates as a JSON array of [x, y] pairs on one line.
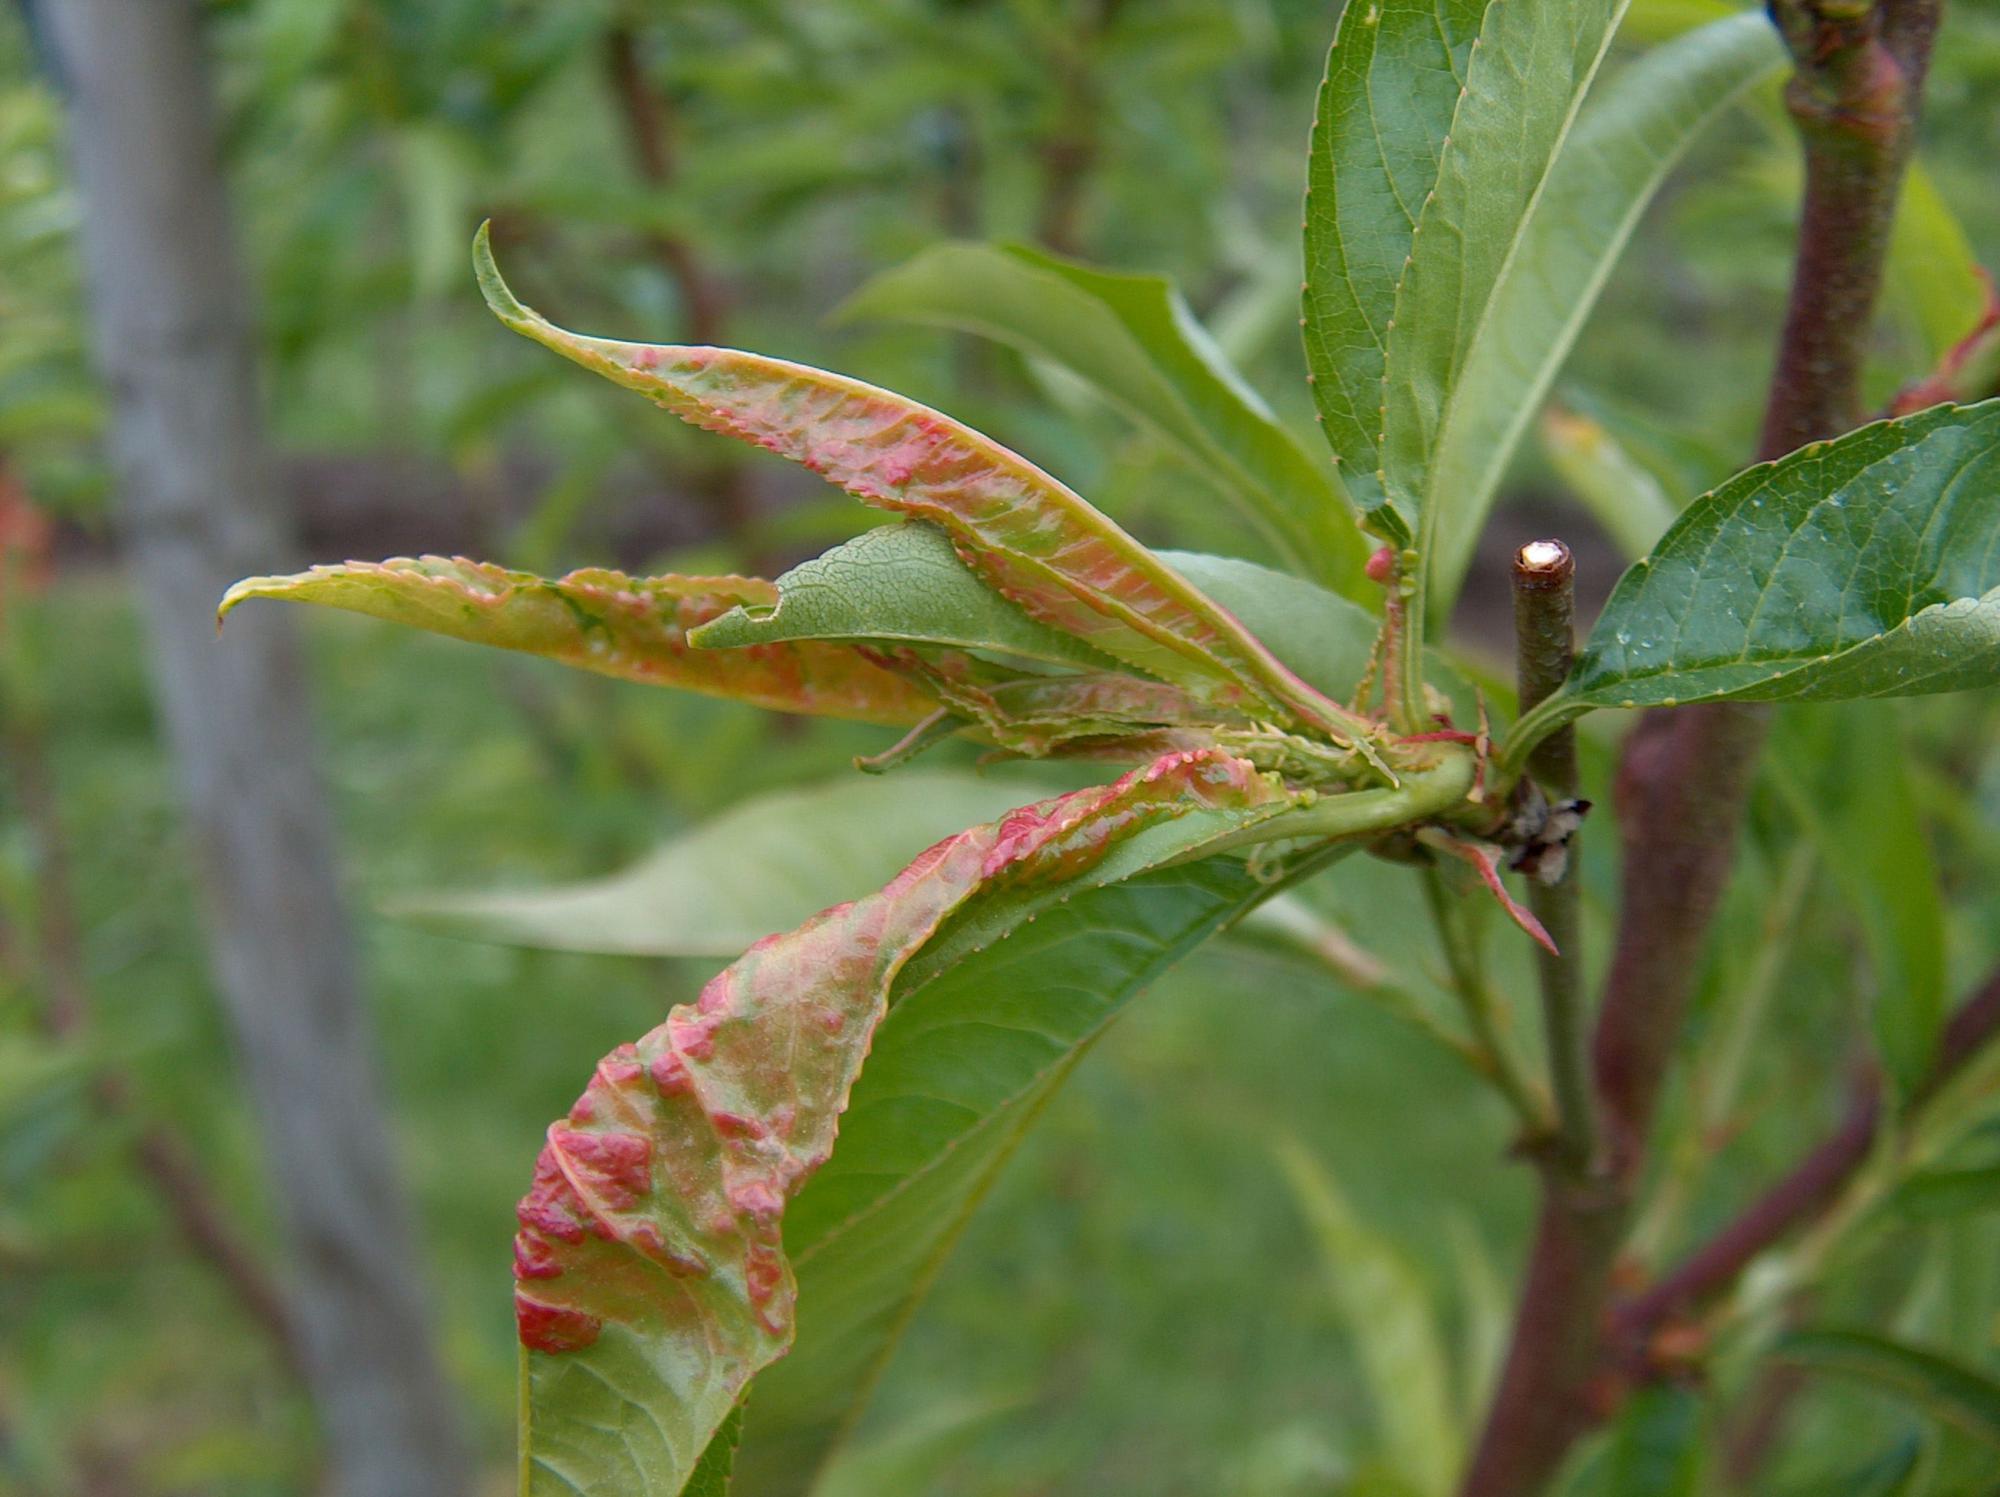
[[1142, 1305]]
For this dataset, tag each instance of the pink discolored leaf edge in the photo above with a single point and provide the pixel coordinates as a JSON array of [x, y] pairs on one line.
[[1030, 537], [655, 1212], [594, 619]]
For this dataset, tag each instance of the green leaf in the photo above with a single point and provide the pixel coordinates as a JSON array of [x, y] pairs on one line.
[[714, 1473], [977, 1043], [1430, 152], [653, 1282], [1485, 1310], [1386, 1308], [1626, 140], [1862, 567], [1392, 85], [1028, 536], [1963, 1396], [1524, 83], [764, 865], [1656, 1447], [1932, 278], [1319, 634], [896, 584], [1845, 772], [1134, 341], [1935, 1194], [1899, 1471], [906, 584], [635, 628], [911, 1459]]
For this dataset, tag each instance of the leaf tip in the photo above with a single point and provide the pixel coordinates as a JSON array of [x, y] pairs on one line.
[[499, 296], [240, 593]]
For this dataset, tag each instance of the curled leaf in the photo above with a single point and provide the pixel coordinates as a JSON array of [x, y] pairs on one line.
[[652, 1282], [1134, 341], [635, 628], [898, 584], [1032, 539]]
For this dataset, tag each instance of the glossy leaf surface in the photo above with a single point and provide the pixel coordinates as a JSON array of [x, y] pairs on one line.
[[1862, 567], [1134, 341], [652, 1280], [635, 628], [1030, 537], [1626, 140]]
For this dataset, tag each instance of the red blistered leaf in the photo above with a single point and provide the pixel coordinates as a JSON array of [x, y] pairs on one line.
[[651, 1235], [1029, 536], [631, 627]]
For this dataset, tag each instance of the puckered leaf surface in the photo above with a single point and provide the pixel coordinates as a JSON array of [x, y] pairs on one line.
[[1134, 341], [976, 1042], [1868, 566], [652, 1281], [635, 628], [1031, 538]]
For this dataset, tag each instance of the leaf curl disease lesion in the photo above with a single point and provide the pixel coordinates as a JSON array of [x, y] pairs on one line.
[[657, 1202]]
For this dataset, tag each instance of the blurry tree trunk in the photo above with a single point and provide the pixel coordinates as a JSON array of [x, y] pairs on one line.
[[197, 509]]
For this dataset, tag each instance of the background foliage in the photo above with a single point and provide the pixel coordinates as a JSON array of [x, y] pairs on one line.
[[1143, 1304]]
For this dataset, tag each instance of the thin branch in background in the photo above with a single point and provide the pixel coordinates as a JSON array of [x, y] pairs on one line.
[[1489, 1051], [1814, 1188], [1071, 151], [1814, 1183], [1716, 1080], [57, 964], [197, 505], [650, 131], [1853, 96], [163, 1158], [1544, 577], [1685, 773]]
